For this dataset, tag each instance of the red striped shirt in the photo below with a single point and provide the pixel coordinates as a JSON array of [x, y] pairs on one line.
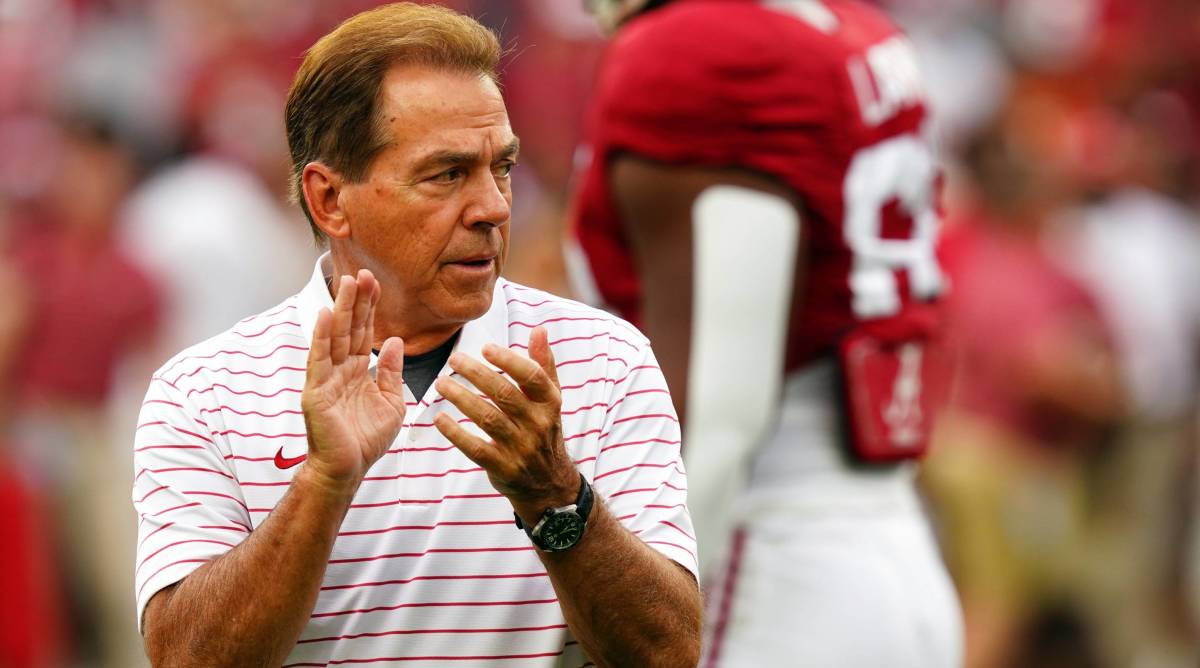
[[428, 567]]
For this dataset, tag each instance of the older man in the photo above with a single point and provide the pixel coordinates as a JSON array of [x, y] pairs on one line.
[[309, 501]]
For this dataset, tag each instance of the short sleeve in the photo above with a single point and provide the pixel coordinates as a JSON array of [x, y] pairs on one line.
[[190, 507], [639, 470]]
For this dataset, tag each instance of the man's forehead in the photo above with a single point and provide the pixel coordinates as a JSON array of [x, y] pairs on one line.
[[427, 110]]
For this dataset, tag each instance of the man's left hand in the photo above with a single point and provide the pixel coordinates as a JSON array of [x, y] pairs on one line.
[[526, 459]]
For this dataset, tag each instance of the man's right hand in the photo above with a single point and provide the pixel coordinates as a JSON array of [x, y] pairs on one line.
[[351, 418]]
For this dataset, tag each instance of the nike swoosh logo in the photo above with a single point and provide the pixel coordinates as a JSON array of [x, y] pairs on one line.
[[282, 462]]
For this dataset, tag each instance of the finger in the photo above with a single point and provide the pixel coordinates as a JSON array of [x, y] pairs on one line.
[[540, 352], [318, 353], [476, 449], [530, 377], [363, 294], [389, 372], [506, 395], [489, 418], [343, 314]]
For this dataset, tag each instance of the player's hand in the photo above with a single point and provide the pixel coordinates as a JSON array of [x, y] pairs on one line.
[[525, 458], [350, 417]]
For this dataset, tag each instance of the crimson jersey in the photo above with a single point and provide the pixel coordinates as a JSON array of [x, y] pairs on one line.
[[824, 97]]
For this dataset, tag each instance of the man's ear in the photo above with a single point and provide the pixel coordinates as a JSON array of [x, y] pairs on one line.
[[322, 187]]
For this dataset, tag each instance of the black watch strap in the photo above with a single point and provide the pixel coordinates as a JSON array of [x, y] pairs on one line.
[[583, 502], [583, 508]]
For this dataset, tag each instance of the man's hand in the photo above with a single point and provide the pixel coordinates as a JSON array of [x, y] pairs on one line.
[[526, 460], [351, 418]]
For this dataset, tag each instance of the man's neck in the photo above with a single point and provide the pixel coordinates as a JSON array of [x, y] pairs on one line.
[[418, 337], [415, 343]]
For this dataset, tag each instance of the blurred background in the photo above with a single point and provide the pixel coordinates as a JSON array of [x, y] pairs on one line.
[[143, 208]]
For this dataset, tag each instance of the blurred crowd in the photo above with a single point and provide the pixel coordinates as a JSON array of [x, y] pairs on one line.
[[143, 193], [1063, 478]]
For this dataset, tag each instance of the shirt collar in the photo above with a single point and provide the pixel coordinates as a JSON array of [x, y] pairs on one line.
[[491, 327]]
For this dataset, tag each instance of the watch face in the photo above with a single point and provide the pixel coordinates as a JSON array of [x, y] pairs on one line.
[[561, 531]]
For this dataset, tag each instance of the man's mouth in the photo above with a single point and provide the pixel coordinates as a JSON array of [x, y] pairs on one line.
[[475, 263]]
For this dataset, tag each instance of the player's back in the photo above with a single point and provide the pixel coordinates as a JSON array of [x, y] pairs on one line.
[[824, 97]]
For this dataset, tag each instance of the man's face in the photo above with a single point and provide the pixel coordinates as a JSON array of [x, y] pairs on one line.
[[431, 217]]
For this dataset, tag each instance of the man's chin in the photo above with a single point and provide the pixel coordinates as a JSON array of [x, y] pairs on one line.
[[469, 304]]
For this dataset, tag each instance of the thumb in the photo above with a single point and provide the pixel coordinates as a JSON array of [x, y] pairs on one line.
[[389, 372]]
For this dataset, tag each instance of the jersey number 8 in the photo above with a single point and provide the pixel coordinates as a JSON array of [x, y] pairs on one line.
[[900, 170]]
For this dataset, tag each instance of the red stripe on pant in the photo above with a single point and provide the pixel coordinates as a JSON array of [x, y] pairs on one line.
[[728, 588]]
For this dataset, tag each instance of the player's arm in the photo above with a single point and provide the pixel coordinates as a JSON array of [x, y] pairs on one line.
[[717, 251]]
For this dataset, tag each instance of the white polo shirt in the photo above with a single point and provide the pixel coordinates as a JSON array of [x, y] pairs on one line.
[[428, 568]]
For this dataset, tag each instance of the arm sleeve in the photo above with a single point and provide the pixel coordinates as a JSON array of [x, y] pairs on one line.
[[639, 471], [189, 504]]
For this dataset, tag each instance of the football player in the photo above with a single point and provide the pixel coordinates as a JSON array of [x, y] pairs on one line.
[[760, 199]]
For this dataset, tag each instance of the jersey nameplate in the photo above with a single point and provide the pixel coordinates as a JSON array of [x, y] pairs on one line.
[[886, 80]]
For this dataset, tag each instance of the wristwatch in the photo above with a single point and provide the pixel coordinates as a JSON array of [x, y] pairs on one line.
[[560, 529]]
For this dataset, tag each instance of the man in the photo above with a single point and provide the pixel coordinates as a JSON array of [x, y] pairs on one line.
[[308, 501], [760, 199]]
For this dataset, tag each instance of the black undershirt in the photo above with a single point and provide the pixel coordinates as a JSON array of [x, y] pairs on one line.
[[421, 370]]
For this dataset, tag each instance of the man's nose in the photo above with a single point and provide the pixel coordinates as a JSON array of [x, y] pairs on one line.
[[489, 204]]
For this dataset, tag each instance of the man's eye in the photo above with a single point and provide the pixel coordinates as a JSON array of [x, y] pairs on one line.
[[449, 176], [505, 169]]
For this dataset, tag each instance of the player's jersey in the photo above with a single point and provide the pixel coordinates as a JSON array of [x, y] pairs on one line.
[[822, 96]]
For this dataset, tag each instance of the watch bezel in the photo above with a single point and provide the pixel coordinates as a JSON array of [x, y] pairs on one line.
[[564, 513], [581, 509]]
